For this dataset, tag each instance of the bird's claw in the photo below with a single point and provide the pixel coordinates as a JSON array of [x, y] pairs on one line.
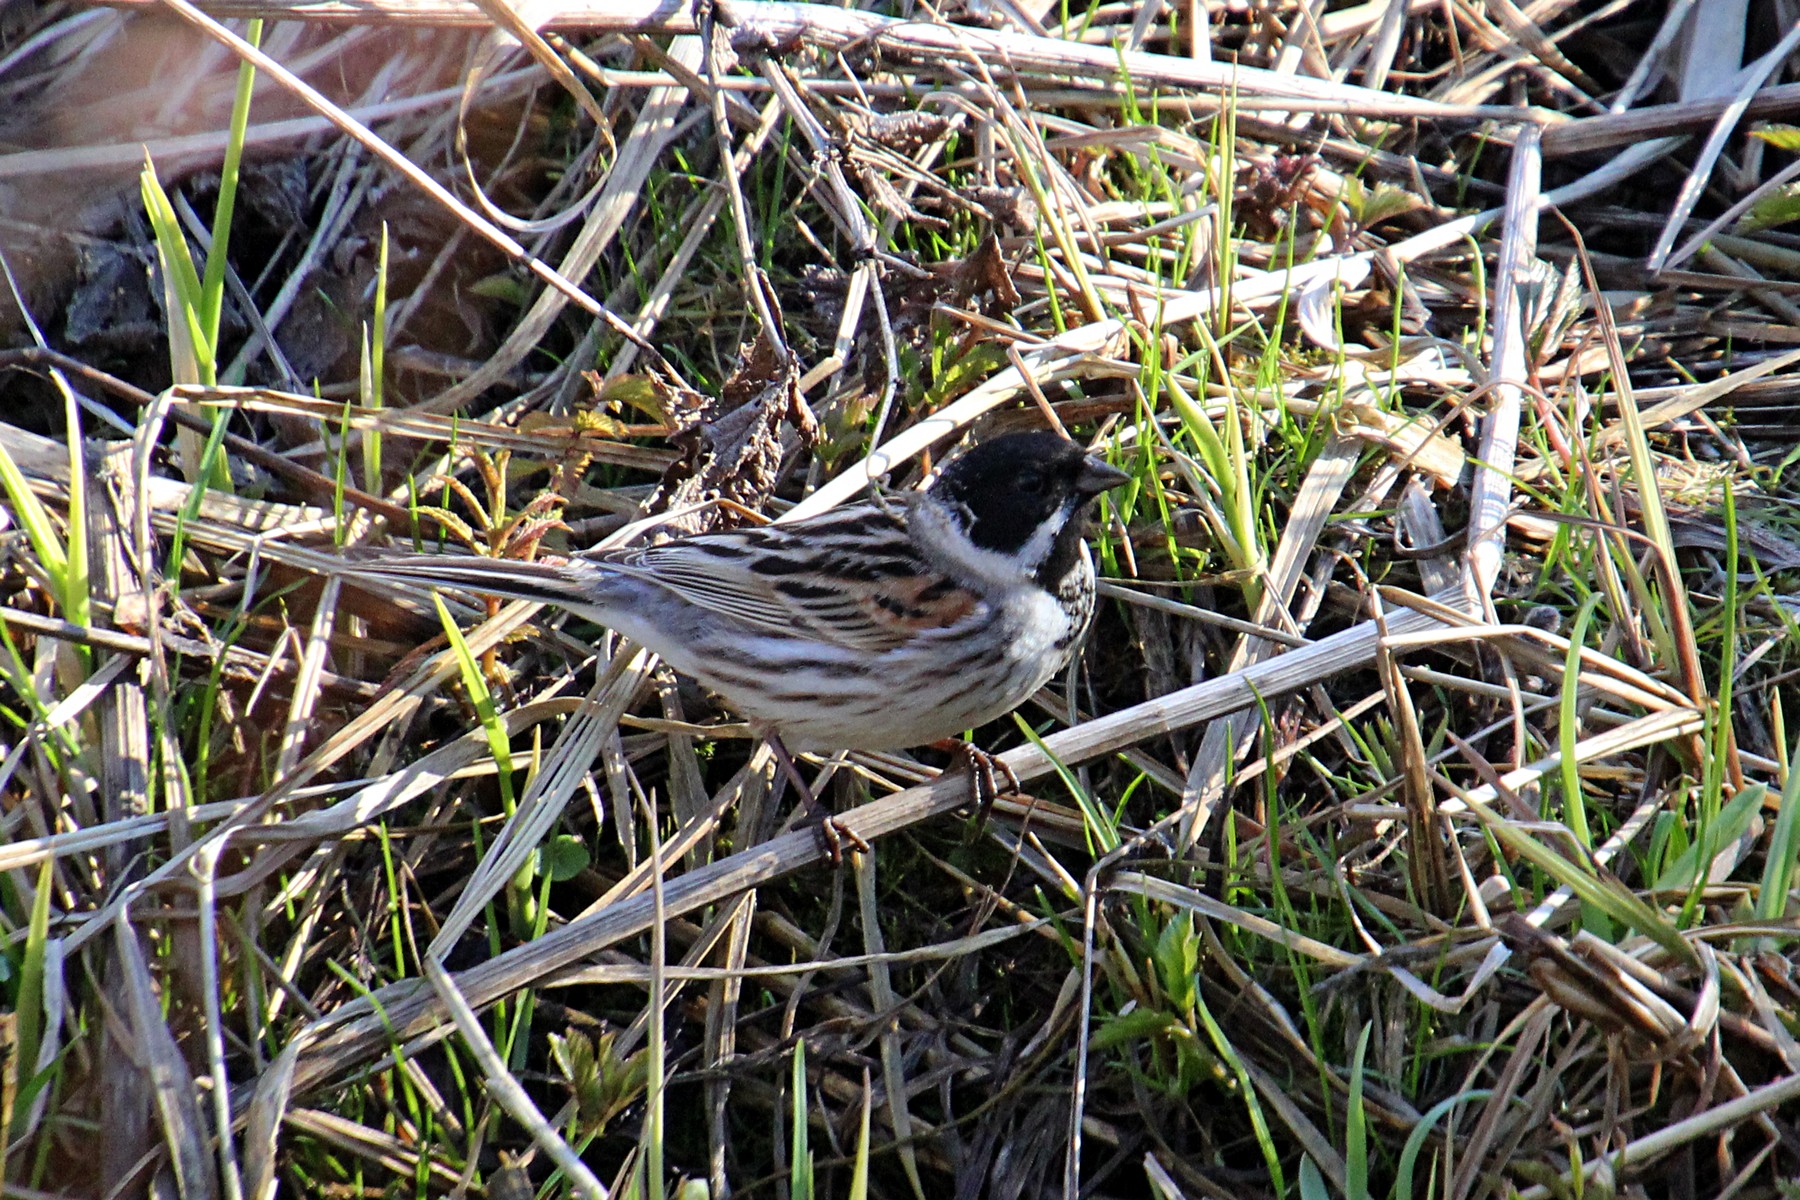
[[834, 834], [986, 771]]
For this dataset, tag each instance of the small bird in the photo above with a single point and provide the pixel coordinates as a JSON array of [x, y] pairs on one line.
[[894, 623]]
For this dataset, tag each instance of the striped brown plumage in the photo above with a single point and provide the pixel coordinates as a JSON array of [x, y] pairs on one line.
[[877, 626]]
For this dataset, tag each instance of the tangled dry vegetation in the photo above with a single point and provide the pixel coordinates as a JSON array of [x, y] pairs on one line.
[[1419, 822]]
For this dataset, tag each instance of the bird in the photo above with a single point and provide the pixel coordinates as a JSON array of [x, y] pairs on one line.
[[898, 622]]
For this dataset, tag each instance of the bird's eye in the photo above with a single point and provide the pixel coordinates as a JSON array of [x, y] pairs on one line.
[[1031, 484]]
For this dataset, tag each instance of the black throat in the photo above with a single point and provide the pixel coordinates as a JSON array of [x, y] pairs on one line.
[[1065, 550], [1009, 489]]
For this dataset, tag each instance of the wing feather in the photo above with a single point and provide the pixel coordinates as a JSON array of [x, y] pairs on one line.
[[850, 578]]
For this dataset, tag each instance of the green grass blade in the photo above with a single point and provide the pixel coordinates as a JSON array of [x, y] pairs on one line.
[[1689, 870], [1612, 898], [29, 1019], [212, 287], [1259, 1121], [483, 700], [1415, 1141], [1784, 846], [192, 358], [376, 368], [1102, 831], [799, 1149], [859, 1170], [1569, 726], [34, 519], [1312, 1180], [1356, 1127]]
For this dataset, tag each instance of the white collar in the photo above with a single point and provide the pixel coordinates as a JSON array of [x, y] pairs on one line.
[[941, 534]]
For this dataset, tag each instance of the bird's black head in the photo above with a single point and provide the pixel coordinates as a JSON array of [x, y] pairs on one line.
[[1014, 486]]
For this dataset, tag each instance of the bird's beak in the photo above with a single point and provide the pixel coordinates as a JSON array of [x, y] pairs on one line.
[[1096, 477]]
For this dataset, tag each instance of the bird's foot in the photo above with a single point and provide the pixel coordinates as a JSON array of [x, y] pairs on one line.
[[986, 774], [833, 833]]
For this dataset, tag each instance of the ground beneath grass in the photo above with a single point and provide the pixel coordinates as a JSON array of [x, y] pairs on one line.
[[1417, 820]]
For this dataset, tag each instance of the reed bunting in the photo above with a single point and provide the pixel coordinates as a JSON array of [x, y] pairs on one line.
[[876, 626]]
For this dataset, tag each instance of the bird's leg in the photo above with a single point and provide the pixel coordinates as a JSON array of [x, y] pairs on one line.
[[985, 774], [833, 832]]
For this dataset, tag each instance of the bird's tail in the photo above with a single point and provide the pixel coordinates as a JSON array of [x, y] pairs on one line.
[[567, 584]]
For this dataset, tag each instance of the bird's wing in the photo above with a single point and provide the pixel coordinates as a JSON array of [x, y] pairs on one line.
[[851, 578]]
